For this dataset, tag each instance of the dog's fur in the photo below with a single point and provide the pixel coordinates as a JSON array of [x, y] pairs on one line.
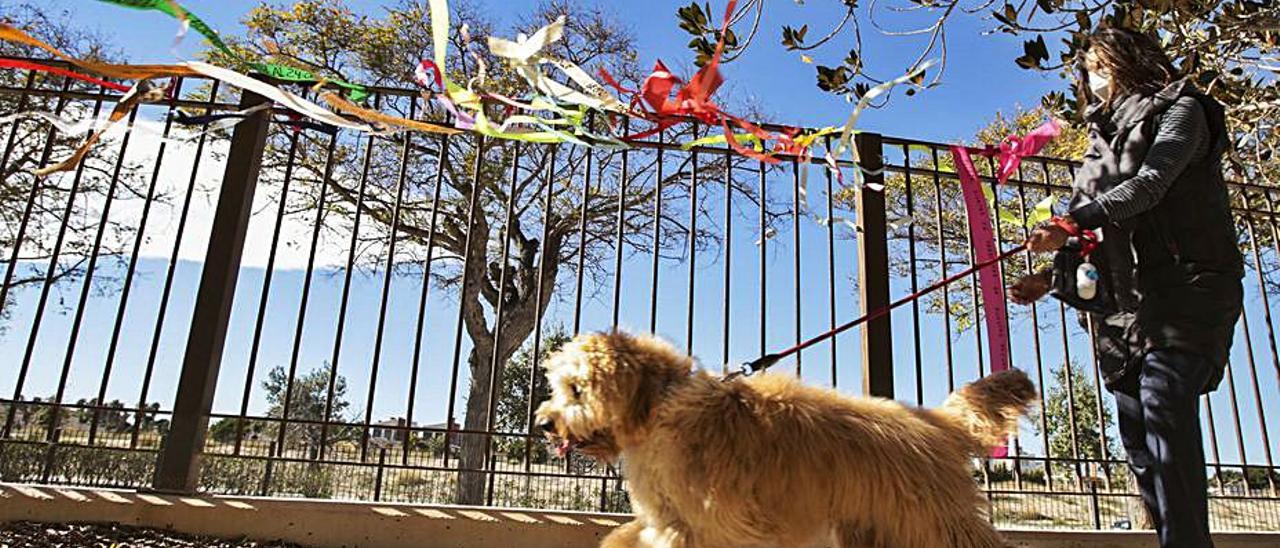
[[769, 461]]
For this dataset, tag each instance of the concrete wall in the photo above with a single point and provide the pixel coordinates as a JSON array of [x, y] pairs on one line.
[[326, 524]]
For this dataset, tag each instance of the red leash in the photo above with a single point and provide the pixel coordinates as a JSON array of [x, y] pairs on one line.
[[769, 360]]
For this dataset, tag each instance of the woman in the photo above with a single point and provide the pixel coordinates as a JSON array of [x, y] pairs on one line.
[[1170, 272]]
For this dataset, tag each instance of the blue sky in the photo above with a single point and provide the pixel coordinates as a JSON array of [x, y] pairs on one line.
[[982, 79]]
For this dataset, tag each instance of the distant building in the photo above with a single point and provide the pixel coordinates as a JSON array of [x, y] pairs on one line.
[[440, 427], [391, 431], [437, 430]]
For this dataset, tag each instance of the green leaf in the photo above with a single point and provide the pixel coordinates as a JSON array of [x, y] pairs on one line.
[[833, 79], [861, 89], [1040, 49], [1042, 212], [1002, 19], [730, 39], [790, 39]]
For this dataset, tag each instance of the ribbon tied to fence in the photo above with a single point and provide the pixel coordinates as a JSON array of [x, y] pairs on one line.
[[982, 235]]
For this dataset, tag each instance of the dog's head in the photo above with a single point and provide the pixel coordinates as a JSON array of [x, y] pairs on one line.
[[605, 388]]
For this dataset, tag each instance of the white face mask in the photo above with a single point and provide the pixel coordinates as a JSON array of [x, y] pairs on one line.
[[1100, 85]]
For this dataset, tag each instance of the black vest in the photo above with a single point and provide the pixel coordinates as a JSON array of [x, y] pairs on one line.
[[1175, 270]]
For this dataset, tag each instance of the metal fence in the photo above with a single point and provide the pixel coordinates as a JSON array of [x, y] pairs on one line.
[[284, 309]]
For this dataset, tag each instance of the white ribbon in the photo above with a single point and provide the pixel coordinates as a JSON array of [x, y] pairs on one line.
[[284, 98]]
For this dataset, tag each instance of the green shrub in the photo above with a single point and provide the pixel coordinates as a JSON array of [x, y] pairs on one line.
[[232, 475], [106, 467], [21, 462]]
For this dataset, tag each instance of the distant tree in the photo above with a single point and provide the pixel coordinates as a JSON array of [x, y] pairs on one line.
[[1071, 414], [225, 430], [307, 402], [37, 416], [114, 419], [1258, 479]]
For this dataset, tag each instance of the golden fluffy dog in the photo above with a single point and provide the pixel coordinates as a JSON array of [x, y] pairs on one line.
[[769, 461]]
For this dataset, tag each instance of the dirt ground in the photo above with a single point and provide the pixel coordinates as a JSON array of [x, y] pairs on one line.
[[69, 535]]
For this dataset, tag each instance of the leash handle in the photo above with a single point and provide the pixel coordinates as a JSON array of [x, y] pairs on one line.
[[1088, 239]]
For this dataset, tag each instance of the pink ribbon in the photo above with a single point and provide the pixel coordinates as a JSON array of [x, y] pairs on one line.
[[1013, 149], [426, 74], [1009, 156]]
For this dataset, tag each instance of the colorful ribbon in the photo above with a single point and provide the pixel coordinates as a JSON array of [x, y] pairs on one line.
[[287, 99], [279, 72], [339, 104], [464, 99], [74, 128], [428, 73], [982, 238], [663, 99], [525, 55], [144, 91], [670, 100], [846, 134], [1013, 149], [26, 65]]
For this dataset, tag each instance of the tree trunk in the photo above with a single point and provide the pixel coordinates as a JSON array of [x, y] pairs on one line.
[[522, 311], [472, 479], [471, 482]]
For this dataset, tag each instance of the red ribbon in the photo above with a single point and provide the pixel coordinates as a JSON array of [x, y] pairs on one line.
[[693, 100], [1088, 239], [27, 65]]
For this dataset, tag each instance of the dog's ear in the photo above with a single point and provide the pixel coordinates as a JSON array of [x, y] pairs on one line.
[[644, 367]]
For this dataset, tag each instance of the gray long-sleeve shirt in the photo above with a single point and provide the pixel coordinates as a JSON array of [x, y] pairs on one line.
[[1183, 137]]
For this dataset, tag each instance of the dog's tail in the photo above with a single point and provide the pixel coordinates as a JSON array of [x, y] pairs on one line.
[[989, 408]]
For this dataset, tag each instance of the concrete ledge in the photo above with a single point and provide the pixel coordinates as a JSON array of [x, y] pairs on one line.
[[327, 524]]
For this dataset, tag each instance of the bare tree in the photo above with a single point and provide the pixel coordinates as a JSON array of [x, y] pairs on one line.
[[505, 227], [52, 229]]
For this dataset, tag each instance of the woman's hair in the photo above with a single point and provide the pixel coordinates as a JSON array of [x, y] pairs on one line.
[[1137, 63]]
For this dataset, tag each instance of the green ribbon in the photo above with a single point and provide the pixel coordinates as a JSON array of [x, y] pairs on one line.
[[1041, 212], [280, 72]]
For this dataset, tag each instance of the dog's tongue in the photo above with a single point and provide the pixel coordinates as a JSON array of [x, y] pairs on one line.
[[564, 448]]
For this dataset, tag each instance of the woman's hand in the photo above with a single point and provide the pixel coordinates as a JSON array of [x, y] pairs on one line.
[[1050, 237], [1030, 288]]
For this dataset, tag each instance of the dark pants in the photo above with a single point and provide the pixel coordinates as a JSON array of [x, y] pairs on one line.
[[1160, 428]]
